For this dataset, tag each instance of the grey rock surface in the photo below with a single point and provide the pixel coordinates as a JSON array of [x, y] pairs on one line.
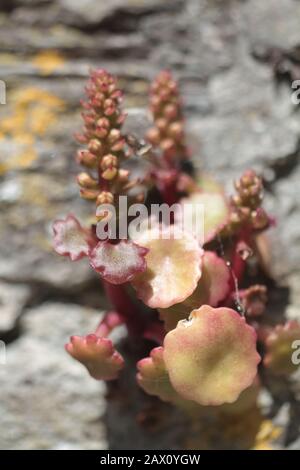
[[40, 383], [13, 299], [235, 61]]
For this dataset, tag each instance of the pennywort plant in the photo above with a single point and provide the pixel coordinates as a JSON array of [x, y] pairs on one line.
[[177, 287]]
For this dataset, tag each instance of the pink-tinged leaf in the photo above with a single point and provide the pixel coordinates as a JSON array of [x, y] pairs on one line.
[[173, 266], [153, 377], [118, 263], [253, 300], [70, 238], [207, 184], [97, 354], [280, 348], [213, 286], [214, 208], [211, 358]]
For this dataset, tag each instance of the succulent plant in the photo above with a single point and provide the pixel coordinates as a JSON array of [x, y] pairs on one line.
[[179, 287]]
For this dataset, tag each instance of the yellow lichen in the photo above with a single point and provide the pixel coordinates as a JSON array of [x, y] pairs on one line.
[[34, 111], [48, 61], [266, 436]]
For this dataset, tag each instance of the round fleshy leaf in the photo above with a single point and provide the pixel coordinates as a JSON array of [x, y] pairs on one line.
[[118, 263], [97, 354], [153, 377], [70, 238], [213, 286], [208, 184], [215, 210], [173, 267], [281, 345], [212, 357]]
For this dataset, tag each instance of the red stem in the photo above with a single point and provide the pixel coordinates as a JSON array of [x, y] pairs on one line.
[[110, 321], [238, 264], [123, 304]]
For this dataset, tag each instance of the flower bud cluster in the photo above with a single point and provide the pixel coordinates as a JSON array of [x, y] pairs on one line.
[[247, 202], [106, 146], [168, 130]]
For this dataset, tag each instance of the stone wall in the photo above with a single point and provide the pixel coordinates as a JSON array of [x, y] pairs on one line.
[[235, 61]]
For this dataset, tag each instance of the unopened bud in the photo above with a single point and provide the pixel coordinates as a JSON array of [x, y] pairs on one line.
[[109, 161], [153, 136], [103, 122], [89, 194], [259, 219], [110, 111], [88, 119], [121, 118], [155, 101], [161, 124], [94, 146], [167, 145], [176, 130], [105, 197], [236, 200], [248, 177], [81, 138], [101, 132], [86, 181], [100, 97], [108, 103], [110, 173], [118, 146], [170, 111], [245, 212], [114, 135], [86, 158], [234, 218]]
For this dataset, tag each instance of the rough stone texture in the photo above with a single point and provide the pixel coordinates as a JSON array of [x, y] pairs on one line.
[[40, 383], [234, 59], [13, 299]]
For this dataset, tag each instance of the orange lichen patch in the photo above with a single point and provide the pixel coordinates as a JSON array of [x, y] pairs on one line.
[[267, 434], [48, 61], [33, 113], [24, 159]]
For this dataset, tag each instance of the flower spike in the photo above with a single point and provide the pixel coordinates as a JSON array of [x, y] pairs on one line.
[[168, 130]]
